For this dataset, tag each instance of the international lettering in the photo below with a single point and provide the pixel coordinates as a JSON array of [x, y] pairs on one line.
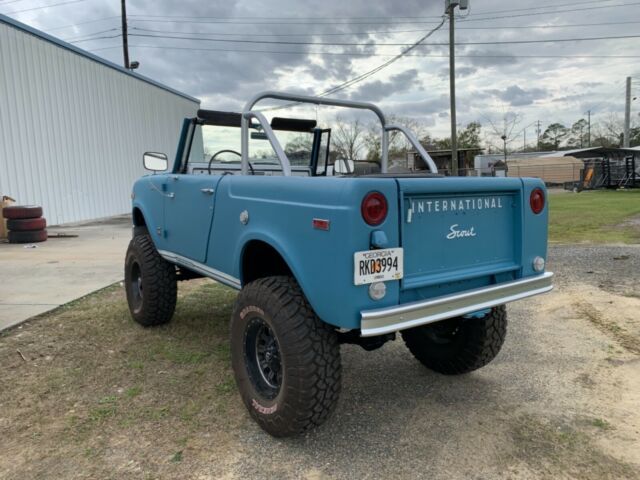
[[456, 205]]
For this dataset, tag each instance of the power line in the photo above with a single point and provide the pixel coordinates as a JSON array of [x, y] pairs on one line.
[[356, 44], [363, 54], [373, 71], [44, 6], [548, 13], [96, 38], [572, 25], [344, 17], [79, 37], [540, 7], [83, 23], [376, 32], [265, 21]]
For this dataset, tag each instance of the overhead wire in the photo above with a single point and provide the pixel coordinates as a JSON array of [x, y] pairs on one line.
[[357, 44], [44, 6], [371, 72], [377, 32], [361, 54], [294, 21]]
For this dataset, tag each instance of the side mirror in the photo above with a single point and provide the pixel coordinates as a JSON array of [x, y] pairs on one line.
[[156, 162], [343, 166]]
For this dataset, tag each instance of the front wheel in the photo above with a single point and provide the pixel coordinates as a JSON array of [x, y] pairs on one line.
[[150, 283], [285, 359], [458, 345]]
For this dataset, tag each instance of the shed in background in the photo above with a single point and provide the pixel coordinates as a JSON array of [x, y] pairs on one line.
[[73, 126]]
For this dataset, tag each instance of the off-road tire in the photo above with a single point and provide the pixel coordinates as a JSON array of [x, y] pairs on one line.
[[458, 345], [26, 224], [22, 211], [153, 303], [308, 350], [27, 237]]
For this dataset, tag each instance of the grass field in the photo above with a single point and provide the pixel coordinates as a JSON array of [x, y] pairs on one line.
[[603, 216]]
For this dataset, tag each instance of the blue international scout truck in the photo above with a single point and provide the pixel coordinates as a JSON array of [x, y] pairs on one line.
[[327, 251]]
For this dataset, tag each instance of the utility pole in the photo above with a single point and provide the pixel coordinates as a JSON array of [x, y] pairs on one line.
[[538, 132], [627, 114], [589, 128], [504, 140], [125, 39], [524, 141], [449, 6]]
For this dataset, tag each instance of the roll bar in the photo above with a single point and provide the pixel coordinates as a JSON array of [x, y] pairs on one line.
[[416, 144], [248, 113], [284, 160]]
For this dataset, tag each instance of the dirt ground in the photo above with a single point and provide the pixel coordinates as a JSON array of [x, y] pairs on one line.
[[86, 393]]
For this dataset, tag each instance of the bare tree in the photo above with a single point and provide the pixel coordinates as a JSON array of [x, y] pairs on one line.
[[502, 131], [398, 143], [348, 138]]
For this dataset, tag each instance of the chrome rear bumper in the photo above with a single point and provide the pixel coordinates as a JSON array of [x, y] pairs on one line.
[[401, 317]]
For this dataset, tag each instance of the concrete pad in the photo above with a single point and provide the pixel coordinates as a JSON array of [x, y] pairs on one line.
[[55, 272]]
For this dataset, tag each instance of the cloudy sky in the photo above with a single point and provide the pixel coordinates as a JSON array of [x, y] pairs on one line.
[[309, 47]]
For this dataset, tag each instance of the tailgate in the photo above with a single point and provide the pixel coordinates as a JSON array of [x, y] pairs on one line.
[[457, 229]]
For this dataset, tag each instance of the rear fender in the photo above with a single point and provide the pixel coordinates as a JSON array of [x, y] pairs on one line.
[[321, 261]]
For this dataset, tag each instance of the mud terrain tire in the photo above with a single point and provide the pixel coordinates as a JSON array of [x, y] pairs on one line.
[[150, 283], [285, 359], [458, 345]]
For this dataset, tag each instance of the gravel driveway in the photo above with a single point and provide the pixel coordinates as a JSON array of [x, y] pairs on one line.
[[560, 400]]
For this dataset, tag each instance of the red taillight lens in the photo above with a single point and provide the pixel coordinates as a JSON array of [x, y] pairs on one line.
[[374, 208], [536, 200]]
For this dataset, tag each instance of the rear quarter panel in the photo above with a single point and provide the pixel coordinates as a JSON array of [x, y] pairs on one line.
[[281, 211]]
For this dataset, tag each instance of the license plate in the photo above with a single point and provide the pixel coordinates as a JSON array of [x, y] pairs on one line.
[[377, 266]]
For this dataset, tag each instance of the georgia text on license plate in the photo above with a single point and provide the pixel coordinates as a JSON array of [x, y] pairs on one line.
[[377, 266]]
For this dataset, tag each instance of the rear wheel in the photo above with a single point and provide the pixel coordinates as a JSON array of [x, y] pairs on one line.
[[285, 359], [150, 283], [458, 345]]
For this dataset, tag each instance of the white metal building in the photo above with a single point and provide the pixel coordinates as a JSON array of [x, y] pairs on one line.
[[73, 126]]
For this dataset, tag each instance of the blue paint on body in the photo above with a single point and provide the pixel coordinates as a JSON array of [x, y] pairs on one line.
[[493, 242]]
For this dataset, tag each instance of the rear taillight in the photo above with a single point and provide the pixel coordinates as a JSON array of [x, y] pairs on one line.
[[536, 200], [374, 208]]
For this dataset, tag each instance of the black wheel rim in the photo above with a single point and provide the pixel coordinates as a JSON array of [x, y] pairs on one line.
[[135, 286], [262, 358]]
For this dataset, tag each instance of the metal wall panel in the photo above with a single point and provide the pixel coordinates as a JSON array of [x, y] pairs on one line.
[[73, 130]]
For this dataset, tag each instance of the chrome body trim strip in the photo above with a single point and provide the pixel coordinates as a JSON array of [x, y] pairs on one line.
[[409, 315], [202, 269]]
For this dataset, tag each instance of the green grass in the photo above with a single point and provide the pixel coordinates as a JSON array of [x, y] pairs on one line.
[[600, 423], [594, 217]]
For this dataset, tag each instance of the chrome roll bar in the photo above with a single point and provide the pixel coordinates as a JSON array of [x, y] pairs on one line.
[[248, 113], [415, 143], [284, 160]]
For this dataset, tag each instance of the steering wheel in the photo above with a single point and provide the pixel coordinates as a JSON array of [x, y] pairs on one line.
[[213, 157]]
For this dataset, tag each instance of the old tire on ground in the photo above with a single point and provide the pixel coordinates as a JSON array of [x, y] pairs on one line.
[[150, 283], [26, 224], [285, 359], [27, 237], [458, 345], [22, 211]]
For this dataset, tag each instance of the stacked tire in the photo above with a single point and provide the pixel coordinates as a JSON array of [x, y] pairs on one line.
[[25, 224]]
